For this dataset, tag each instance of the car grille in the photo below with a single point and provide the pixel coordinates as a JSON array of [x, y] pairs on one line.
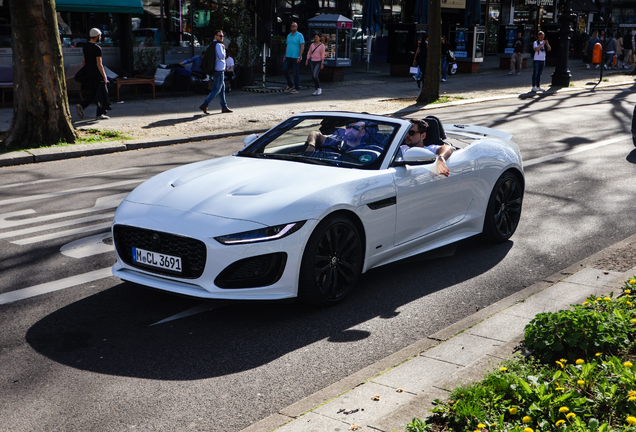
[[192, 252], [257, 271]]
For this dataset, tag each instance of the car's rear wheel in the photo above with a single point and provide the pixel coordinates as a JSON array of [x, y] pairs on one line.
[[332, 262], [504, 208]]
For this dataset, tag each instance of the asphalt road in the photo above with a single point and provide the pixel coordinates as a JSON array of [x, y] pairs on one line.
[[110, 356]]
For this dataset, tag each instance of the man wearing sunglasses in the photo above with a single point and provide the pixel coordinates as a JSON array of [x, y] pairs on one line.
[[353, 143], [415, 138], [214, 63]]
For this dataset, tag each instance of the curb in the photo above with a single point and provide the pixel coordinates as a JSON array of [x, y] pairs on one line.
[[347, 384]]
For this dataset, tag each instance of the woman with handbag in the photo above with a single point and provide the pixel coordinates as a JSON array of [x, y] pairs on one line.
[[446, 56], [419, 60], [317, 57]]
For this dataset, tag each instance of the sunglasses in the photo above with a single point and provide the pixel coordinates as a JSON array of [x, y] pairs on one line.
[[412, 132], [220, 35], [354, 127]]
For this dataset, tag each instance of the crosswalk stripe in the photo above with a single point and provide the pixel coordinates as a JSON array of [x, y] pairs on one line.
[[55, 225], [61, 234], [57, 285]]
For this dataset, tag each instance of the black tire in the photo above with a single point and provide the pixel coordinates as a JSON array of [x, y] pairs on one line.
[[332, 262], [634, 126], [504, 208]]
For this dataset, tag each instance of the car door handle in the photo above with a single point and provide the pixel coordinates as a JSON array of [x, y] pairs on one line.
[[467, 170]]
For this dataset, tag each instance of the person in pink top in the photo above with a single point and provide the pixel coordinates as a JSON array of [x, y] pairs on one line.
[[316, 55]]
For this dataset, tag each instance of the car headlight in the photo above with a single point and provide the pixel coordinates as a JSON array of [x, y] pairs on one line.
[[261, 234]]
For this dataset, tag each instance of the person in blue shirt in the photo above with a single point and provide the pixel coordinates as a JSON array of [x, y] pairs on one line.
[[293, 57], [196, 64]]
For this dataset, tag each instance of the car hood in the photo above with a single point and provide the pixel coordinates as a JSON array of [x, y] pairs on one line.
[[258, 190]]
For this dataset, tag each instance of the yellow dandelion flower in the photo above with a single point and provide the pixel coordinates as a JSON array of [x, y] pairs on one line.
[[585, 303], [631, 393], [628, 303], [528, 430], [481, 425], [631, 420], [580, 361], [632, 281], [570, 415], [564, 409], [560, 422], [580, 382], [631, 398], [503, 369], [598, 299], [559, 388], [526, 419], [634, 320], [628, 364], [513, 410], [560, 364], [598, 354]]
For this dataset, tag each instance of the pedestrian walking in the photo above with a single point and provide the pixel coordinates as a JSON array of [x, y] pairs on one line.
[[619, 50], [610, 51], [214, 64], [516, 60], [316, 56], [446, 57], [589, 48], [419, 59], [94, 84], [628, 49], [540, 46], [293, 57]]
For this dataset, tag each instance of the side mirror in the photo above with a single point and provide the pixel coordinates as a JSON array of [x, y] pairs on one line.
[[417, 156], [250, 139]]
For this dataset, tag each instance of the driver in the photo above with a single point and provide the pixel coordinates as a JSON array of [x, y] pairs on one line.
[[353, 143], [415, 138]]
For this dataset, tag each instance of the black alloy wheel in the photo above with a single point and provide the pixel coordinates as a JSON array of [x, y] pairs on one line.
[[332, 262], [504, 208]]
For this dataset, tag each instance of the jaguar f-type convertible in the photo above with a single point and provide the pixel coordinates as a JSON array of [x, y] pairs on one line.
[[295, 216]]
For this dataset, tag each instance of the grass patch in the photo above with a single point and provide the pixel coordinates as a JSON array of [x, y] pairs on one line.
[[446, 99], [86, 136]]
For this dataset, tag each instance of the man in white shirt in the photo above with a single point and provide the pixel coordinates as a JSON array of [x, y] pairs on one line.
[[540, 47], [415, 138]]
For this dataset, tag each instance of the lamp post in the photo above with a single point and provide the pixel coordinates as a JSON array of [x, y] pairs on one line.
[[561, 75]]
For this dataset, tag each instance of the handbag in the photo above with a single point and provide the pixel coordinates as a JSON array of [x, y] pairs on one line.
[[413, 70], [80, 75]]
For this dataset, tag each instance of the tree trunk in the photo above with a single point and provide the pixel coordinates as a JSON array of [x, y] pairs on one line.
[[432, 75], [40, 106]]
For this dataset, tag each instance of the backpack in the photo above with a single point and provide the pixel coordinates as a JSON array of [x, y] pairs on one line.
[[209, 59]]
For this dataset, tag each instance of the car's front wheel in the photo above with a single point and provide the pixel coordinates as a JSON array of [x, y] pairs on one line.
[[332, 262], [504, 208]]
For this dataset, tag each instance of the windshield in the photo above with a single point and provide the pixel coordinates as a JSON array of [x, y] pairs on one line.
[[338, 141]]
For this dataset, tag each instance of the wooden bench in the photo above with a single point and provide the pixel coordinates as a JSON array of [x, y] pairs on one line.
[[135, 81]]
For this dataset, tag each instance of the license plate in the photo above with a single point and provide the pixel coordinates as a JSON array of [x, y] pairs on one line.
[[155, 259]]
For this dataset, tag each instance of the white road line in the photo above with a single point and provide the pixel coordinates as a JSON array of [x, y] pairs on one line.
[[92, 174], [68, 192], [61, 234], [102, 203], [48, 287], [203, 307], [576, 150], [88, 246], [39, 228]]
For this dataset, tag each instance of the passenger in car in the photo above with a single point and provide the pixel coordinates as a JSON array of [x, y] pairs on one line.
[[354, 142], [415, 138]]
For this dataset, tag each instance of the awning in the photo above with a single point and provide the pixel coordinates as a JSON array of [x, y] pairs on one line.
[[111, 6], [583, 6]]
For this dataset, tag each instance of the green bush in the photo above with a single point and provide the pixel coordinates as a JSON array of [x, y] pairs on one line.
[[598, 325]]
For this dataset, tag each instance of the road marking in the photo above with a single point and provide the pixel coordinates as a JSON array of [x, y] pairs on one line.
[[574, 151], [61, 234], [69, 192], [67, 178], [57, 285], [39, 228], [203, 307], [102, 203], [88, 246]]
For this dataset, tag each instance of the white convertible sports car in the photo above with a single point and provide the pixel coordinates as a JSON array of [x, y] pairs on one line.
[[282, 218]]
